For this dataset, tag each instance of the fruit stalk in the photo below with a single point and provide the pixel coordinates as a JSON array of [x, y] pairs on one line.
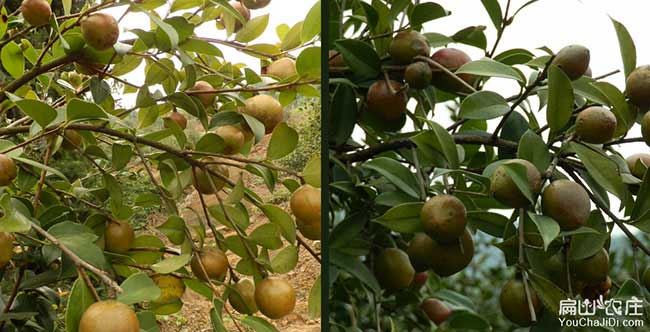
[[522, 262], [445, 70]]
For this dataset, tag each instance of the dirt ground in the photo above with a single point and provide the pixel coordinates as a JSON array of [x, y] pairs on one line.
[[194, 317]]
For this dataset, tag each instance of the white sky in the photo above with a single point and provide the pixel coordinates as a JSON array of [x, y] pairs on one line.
[[281, 11]]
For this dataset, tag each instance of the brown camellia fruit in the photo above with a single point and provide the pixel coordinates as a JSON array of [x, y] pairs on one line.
[[242, 10], [275, 297], [444, 218], [202, 178], [243, 300], [109, 316], [633, 160], [36, 12], [305, 204], [420, 279], [596, 125], [514, 303], [418, 75], [637, 87], [232, 137], [206, 98], [171, 288], [266, 109], [573, 60], [436, 310], [645, 128], [100, 31], [596, 290], [256, 4], [591, 269], [567, 203], [178, 118], [449, 259], [282, 68], [505, 190], [406, 45], [8, 170], [452, 59], [119, 236], [386, 104], [393, 269], [556, 268], [420, 250], [214, 262], [6, 248], [335, 59]]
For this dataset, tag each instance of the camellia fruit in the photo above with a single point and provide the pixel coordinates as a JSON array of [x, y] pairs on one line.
[[8, 170], [591, 269], [305, 204], [119, 236], [436, 310], [100, 31], [109, 316], [256, 4], [406, 45], [266, 109], [567, 203], [335, 59], [505, 190], [451, 59], [245, 13], [202, 178], [393, 269], [36, 12], [645, 128], [418, 75], [638, 87], [214, 261], [449, 259], [282, 68], [596, 125], [420, 250], [638, 164], [275, 297], [387, 102], [444, 218], [233, 139], [178, 118], [243, 299], [6, 248], [206, 98], [573, 60], [514, 303]]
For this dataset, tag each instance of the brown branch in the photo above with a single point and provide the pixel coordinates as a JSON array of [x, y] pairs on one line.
[[34, 72], [14, 293]]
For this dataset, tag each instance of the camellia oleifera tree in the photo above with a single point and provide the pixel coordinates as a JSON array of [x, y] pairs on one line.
[[538, 173], [71, 260]]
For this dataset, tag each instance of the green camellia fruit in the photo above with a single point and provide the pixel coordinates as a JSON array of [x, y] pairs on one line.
[[449, 259], [596, 125], [567, 203], [119, 236], [233, 139], [406, 45], [178, 118], [505, 190], [393, 269], [514, 303], [283, 68], [418, 75], [573, 60], [638, 87], [386, 102], [444, 218]]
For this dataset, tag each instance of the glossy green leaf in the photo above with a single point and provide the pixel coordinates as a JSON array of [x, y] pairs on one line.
[[560, 99], [138, 288], [252, 29], [404, 218], [283, 141], [483, 105]]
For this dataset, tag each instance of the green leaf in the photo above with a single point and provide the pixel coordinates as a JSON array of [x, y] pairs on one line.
[[343, 112], [170, 32], [267, 236], [490, 68], [15, 215], [360, 57], [283, 141], [642, 204], [78, 109], [560, 99], [138, 288], [13, 60], [312, 171], [171, 264], [285, 261], [426, 12], [292, 39], [494, 11], [121, 155], [439, 140], [518, 174], [483, 105], [466, 320], [588, 244], [356, 268], [396, 173], [174, 229], [281, 218], [259, 324], [253, 29], [625, 115], [626, 45], [79, 300], [312, 24], [147, 257], [308, 63], [489, 222], [548, 228], [41, 166], [602, 169], [404, 218], [532, 148], [39, 111]]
